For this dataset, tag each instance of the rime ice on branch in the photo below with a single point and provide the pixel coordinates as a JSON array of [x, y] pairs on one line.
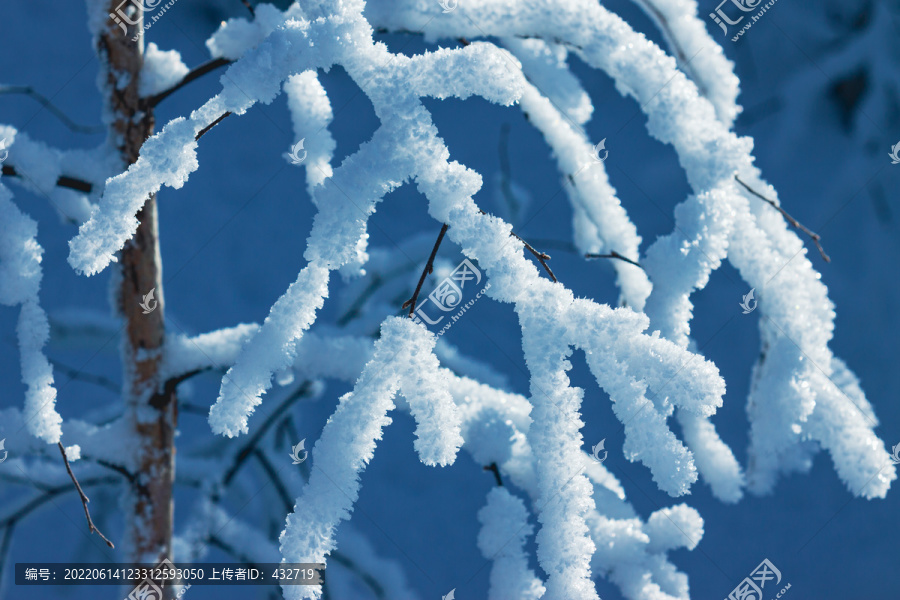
[[800, 391]]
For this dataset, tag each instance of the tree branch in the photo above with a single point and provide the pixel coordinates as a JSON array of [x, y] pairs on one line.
[[814, 236], [45, 102], [195, 73], [210, 126], [496, 470], [614, 254], [117, 468], [429, 268], [84, 498], [541, 256], [64, 181]]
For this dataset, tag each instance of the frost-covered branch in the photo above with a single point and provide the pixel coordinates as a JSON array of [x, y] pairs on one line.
[[195, 73], [504, 530], [402, 361], [20, 281]]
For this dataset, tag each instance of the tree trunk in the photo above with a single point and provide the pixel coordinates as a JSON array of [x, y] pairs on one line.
[[151, 406]]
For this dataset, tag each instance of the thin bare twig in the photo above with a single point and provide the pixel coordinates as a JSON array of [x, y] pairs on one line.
[[195, 73], [45, 102], [84, 498], [63, 181], [496, 470], [541, 256], [814, 236], [429, 268], [249, 7], [614, 254], [8, 524], [210, 126], [117, 468]]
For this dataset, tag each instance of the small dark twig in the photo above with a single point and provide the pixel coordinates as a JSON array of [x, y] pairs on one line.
[[493, 467], [249, 7], [614, 254], [203, 131], [84, 498], [63, 181], [196, 73], [814, 236], [541, 256], [429, 268], [464, 42], [45, 102], [118, 469]]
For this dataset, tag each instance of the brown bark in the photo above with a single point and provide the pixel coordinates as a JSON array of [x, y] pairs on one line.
[[151, 405]]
